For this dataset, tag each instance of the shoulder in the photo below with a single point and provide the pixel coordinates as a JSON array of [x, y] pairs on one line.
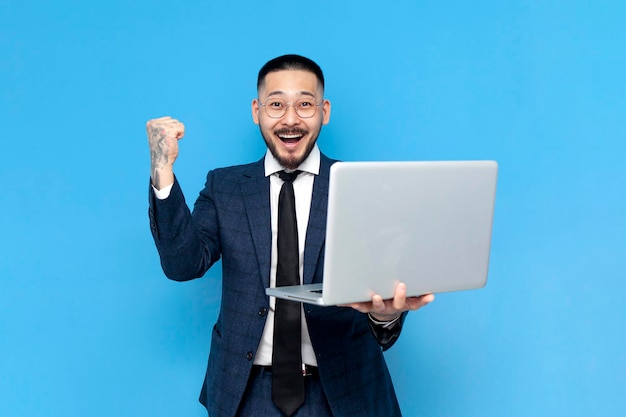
[[325, 164], [236, 172], [327, 160]]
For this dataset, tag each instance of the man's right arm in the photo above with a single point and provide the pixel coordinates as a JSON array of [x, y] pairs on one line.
[[185, 252]]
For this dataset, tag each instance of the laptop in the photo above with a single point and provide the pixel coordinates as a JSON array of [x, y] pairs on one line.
[[427, 224]]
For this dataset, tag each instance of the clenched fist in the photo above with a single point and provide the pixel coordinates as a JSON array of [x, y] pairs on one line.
[[163, 136]]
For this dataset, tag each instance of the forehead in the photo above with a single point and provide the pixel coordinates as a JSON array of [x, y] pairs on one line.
[[290, 83]]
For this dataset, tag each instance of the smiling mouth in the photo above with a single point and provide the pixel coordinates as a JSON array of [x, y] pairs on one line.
[[291, 136]]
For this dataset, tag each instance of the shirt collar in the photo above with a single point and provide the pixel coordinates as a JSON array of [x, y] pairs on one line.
[[311, 164]]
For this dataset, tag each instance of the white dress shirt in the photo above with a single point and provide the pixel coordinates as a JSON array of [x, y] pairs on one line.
[[303, 190]]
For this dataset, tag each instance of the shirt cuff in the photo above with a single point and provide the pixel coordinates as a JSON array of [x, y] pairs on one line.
[[163, 193], [383, 324]]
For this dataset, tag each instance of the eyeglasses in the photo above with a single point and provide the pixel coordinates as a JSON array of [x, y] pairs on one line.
[[276, 107]]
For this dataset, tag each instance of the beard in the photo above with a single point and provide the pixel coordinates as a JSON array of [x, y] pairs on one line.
[[290, 162]]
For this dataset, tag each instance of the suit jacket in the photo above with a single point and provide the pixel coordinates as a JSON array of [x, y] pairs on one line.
[[231, 220]]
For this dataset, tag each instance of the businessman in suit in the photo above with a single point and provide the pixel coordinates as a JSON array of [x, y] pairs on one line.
[[341, 370]]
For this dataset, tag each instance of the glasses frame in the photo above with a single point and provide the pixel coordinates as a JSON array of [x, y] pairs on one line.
[[287, 105]]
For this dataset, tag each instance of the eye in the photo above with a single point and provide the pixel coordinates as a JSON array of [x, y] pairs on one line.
[[305, 104], [275, 104]]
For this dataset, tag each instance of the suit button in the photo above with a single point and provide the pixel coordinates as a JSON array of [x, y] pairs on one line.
[[262, 311], [249, 356]]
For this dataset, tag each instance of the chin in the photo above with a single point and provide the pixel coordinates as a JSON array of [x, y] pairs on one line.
[[290, 160]]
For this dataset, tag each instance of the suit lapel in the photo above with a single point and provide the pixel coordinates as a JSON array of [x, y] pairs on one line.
[[316, 229], [255, 190]]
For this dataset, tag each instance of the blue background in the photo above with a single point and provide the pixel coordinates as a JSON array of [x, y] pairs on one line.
[[89, 325]]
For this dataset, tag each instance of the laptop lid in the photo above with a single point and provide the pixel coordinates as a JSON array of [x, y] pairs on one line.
[[427, 224]]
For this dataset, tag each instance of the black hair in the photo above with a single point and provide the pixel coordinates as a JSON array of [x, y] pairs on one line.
[[290, 62]]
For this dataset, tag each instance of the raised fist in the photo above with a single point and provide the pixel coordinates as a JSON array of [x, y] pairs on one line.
[[163, 136]]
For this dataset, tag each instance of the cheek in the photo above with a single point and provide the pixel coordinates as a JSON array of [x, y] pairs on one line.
[[266, 125], [316, 126]]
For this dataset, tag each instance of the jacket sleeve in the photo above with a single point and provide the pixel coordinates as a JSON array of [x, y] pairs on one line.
[[187, 244], [386, 337]]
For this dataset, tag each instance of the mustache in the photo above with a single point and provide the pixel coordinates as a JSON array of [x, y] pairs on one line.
[[293, 131]]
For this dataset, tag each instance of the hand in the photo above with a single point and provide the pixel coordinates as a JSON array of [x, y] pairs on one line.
[[163, 136], [386, 310]]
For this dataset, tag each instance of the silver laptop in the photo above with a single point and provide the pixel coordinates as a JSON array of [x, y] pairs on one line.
[[427, 224]]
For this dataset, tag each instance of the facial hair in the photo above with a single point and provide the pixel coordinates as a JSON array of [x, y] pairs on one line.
[[293, 162]]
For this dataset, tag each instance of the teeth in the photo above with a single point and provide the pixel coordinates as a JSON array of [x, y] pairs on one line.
[[290, 136]]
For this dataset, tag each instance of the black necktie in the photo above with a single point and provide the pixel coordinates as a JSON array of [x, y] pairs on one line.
[[287, 379]]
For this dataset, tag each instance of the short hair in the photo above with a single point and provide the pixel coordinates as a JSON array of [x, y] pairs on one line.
[[290, 62]]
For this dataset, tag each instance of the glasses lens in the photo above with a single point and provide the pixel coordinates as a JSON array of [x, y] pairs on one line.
[[275, 107], [305, 108]]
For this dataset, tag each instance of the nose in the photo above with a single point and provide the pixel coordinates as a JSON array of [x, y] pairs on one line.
[[291, 117]]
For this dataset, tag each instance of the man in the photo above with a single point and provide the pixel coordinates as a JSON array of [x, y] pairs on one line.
[[236, 217]]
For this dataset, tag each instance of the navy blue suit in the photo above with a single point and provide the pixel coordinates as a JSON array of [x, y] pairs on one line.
[[231, 219]]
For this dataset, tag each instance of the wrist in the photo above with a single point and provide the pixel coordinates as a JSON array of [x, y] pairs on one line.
[[162, 177], [383, 318]]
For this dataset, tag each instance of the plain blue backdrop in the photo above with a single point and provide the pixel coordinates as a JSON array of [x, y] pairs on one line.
[[89, 325]]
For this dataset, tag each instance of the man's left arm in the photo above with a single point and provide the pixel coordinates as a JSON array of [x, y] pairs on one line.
[[386, 317]]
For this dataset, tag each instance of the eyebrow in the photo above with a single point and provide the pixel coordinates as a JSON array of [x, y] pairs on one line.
[[280, 92]]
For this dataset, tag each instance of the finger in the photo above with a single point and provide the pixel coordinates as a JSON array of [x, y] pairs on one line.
[[166, 121], [171, 123], [399, 298], [158, 120], [378, 304], [419, 302], [171, 128], [180, 130]]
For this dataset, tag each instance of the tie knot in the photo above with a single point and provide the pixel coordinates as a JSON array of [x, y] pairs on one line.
[[288, 176]]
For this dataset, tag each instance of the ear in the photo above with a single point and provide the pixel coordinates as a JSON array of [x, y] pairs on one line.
[[255, 111], [326, 112]]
